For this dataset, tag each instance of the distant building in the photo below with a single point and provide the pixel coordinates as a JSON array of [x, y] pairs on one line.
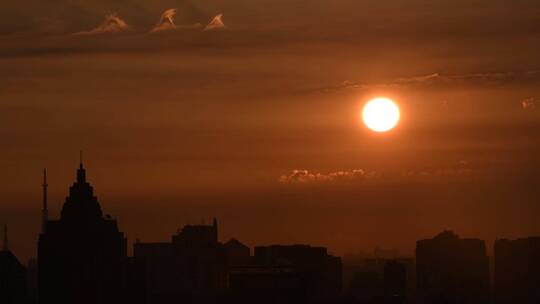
[[192, 265], [236, 253], [452, 270], [12, 276], [81, 256], [517, 271], [368, 277], [366, 287], [395, 282], [320, 274], [265, 285]]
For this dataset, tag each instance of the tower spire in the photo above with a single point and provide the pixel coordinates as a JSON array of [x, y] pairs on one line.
[[45, 209], [80, 159], [81, 173], [6, 243]]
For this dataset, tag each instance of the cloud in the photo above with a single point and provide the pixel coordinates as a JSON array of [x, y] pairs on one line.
[[301, 176], [216, 23], [441, 80], [111, 24], [304, 176], [529, 103], [461, 169], [166, 22]]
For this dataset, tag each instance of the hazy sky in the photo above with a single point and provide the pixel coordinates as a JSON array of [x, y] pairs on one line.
[[185, 124]]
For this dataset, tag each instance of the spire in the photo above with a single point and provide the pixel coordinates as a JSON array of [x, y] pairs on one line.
[[44, 210], [81, 173], [80, 160], [6, 243]]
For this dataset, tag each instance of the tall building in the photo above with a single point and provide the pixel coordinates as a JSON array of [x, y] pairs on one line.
[[517, 271], [12, 276], [452, 270], [81, 256]]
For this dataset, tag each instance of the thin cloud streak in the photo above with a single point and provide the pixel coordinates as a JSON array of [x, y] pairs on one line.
[[441, 80], [216, 23], [305, 176], [111, 24]]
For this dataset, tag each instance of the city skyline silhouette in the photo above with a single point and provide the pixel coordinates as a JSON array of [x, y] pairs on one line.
[[82, 257], [269, 151]]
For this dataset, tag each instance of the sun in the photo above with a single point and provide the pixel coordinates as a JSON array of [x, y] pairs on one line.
[[380, 114]]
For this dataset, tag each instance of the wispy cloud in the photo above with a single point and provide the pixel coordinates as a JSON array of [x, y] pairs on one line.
[[216, 23], [442, 80], [461, 169], [530, 103], [111, 24], [166, 23], [305, 176], [302, 176]]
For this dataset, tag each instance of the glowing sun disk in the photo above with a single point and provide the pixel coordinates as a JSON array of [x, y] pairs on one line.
[[380, 114]]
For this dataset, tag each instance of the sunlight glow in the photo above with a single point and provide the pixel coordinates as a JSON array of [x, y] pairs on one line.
[[380, 114]]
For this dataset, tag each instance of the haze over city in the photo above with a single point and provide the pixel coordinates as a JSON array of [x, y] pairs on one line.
[[254, 112]]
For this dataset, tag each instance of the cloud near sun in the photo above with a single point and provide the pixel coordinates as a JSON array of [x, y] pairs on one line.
[[304, 176], [440, 80], [301, 176]]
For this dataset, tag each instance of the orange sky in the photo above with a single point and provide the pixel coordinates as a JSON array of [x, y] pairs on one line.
[[186, 124]]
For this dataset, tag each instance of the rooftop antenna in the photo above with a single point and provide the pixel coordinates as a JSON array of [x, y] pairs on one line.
[[6, 243], [45, 209]]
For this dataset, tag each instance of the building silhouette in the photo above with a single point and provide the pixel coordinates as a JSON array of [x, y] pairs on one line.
[[517, 271], [319, 273], [82, 255], [395, 282], [452, 270], [191, 267], [12, 276], [366, 287], [374, 279], [236, 253]]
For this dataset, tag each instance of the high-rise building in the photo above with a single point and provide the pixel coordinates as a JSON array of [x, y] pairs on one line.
[[452, 270], [81, 256], [517, 271]]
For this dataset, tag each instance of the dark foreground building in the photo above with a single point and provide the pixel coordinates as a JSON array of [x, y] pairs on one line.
[[191, 268], [301, 272], [452, 270], [395, 282], [81, 256], [12, 276], [517, 271]]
